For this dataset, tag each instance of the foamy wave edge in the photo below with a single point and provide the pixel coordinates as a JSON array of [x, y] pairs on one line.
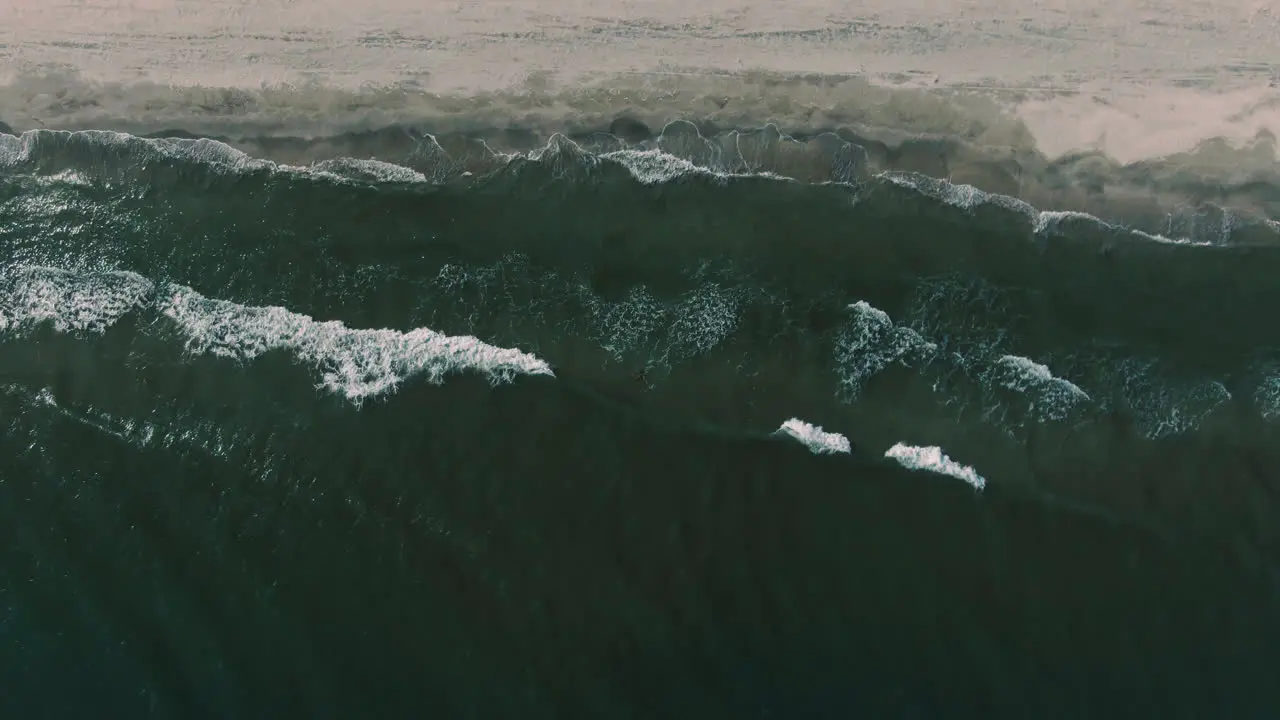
[[933, 459], [819, 441], [679, 152], [356, 364]]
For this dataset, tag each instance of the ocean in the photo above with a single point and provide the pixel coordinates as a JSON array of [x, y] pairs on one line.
[[687, 392]]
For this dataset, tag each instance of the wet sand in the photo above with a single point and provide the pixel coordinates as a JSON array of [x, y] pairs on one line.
[[1133, 80]]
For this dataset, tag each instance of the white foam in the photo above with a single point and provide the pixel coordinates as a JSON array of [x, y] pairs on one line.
[[932, 458], [870, 342], [1053, 398], [565, 159], [1267, 396], [67, 301], [354, 363], [18, 152], [654, 167], [1164, 406], [815, 438], [367, 171], [12, 151], [627, 324], [1043, 222], [705, 317]]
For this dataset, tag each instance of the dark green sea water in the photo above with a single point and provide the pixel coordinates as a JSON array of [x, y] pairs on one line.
[[465, 434]]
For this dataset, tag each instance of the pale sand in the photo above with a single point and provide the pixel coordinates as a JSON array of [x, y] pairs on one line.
[[1135, 79]]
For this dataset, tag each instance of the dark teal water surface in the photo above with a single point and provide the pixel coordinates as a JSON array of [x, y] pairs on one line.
[[368, 440]]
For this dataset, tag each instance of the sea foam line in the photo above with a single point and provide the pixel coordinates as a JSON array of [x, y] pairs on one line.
[[96, 148], [678, 151], [1043, 222]]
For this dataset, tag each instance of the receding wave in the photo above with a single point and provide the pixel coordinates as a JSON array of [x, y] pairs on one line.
[[809, 128]]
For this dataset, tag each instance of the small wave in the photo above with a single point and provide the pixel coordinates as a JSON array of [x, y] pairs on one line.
[[372, 171], [1052, 398], [115, 156], [654, 167], [932, 458], [814, 437], [1160, 400], [1057, 197], [354, 363], [46, 151], [1166, 408], [1043, 222], [870, 342]]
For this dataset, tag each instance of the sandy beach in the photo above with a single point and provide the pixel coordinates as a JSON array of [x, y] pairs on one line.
[[1136, 80]]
